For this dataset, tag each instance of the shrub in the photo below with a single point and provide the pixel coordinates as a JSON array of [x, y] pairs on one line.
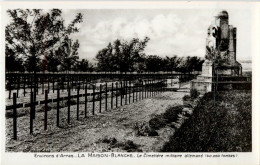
[[194, 93], [111, 141], [171, 113], [143, 129], [186, 98], [152, 132], [157, 122], [129, 145]]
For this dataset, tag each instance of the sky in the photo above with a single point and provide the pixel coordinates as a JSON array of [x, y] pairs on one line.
[[179, 32], [172, 32]]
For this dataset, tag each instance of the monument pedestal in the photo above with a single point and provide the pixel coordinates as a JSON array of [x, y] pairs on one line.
[[216, 77], [204, 82]]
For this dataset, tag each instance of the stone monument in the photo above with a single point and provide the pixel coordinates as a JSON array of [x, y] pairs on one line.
[[220, 71]]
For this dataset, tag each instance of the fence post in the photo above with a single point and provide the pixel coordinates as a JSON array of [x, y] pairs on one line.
[[165, 82], [37, 86], [152, 88], [126, 92], [145, 89], [68, 104], [14, 117], [93, 110], [53, 84], [161, 86], [58, 107], [24, 80], [31, 113], [34, 101], [86, 100], [121, 91], [106, 99], [83, 83], [10, 86], [63, 86], [138, 90], [78, 103], [45, 109], [31, 83], [155, 86], [129, 98], [136, 93], [116, 93], [48, 83], [112, 96], [142, 89], [18, 86], [148, 88], [42, 82], [100, 98], [133, 93], [68, 82]]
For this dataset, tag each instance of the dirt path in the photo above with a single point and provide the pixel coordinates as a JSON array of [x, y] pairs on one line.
[[87, 133]]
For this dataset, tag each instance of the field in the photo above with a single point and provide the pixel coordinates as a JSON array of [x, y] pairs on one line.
[[220, 123]]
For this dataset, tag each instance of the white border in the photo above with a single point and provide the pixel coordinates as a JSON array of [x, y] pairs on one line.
[[243, 158]]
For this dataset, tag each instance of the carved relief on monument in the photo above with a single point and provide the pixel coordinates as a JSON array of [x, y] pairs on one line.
[[221, 44], [221, 41]]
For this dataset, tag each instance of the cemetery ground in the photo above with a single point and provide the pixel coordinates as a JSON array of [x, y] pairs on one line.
[[112, 130], [220, 122]]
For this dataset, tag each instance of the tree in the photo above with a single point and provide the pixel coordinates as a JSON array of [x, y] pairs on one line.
[[84, 66], [50, 62], [69, 54], [171, 63], [122, 56], [33, 33], [154, 63], [105, 59], [12, 62]]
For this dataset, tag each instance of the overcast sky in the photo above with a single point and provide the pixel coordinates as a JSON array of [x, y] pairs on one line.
[[179, 32], [171, 32]]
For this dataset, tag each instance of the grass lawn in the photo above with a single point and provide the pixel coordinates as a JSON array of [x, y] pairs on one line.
[[219, 124]]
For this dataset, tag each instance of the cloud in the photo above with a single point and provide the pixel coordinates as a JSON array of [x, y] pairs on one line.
[[170, 32], [162, 29]]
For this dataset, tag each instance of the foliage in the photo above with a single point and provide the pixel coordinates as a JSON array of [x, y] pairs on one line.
[[157, 122], [12, 62], [121, 55], [194, 93], [171, 113], [143, 129], [84, 66], [218, 124], [126, 56], [36, 34], [186, 98], [127, 145]]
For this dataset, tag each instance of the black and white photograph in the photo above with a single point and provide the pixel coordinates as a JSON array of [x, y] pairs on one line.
[[115, 82]]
